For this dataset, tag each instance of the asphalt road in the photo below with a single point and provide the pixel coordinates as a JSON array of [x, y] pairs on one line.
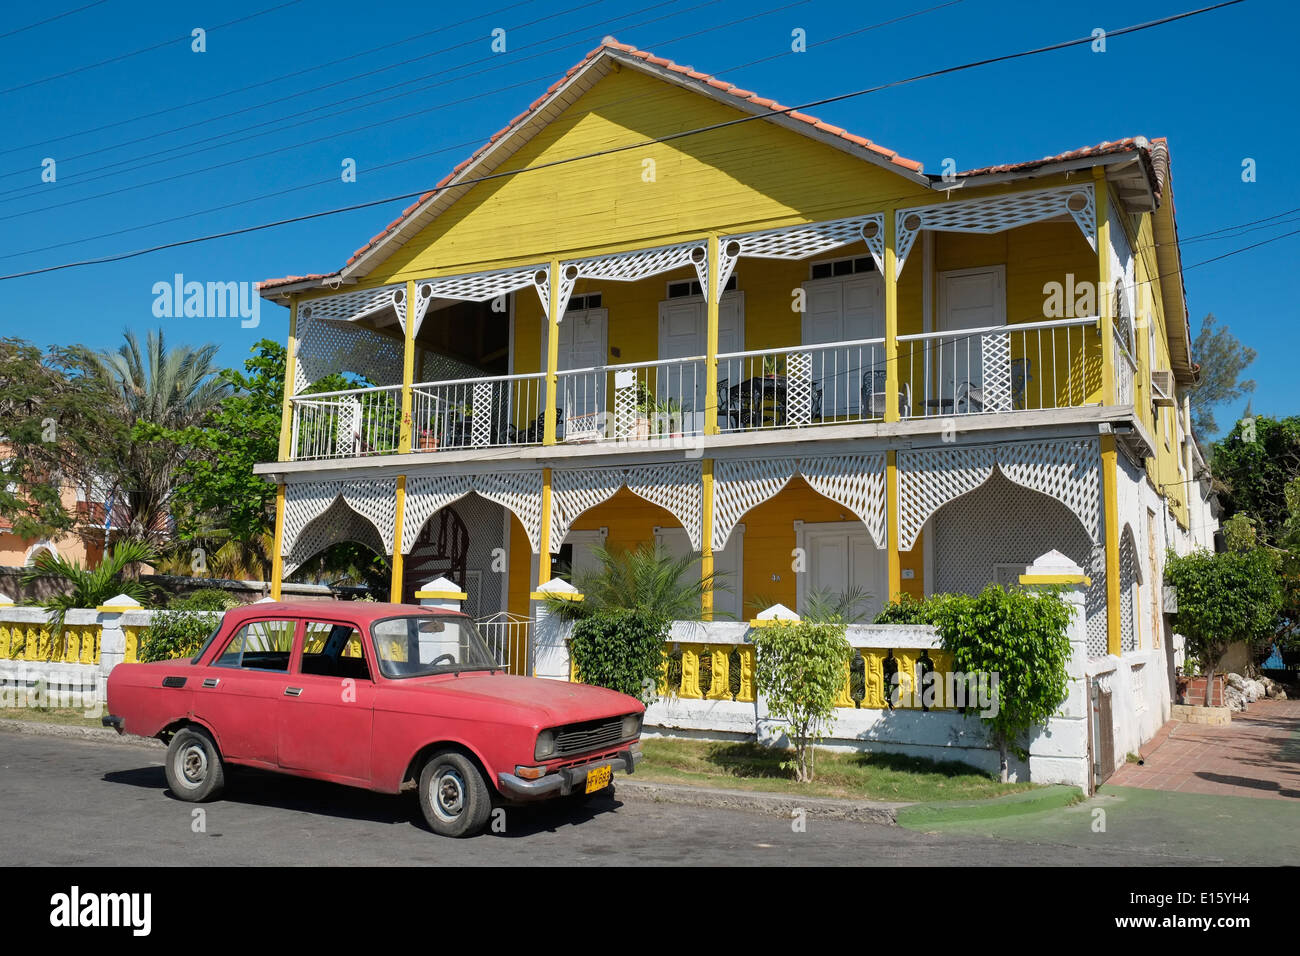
[[72, 802]]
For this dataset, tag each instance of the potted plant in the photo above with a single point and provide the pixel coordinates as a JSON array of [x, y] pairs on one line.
[[645, 407], [428, 440], [668, 418]]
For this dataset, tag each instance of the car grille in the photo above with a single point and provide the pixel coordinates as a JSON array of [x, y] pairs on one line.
[[577, 738]]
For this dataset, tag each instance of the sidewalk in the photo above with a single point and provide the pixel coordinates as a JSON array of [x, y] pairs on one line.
[[1257, 755]]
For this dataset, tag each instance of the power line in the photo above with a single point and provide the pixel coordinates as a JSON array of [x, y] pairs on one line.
[[475, 142], [57, 16], [671, 137], [148, 49]]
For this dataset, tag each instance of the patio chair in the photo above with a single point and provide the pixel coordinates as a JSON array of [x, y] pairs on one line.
[[874, 396]]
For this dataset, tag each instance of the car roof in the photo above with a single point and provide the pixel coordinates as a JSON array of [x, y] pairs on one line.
[[358, 611]]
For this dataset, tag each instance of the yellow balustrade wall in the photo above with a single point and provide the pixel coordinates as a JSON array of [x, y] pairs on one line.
[[32, 642], [708, 672]]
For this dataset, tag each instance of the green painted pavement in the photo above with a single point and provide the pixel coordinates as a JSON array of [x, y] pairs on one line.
[[1178, 826]]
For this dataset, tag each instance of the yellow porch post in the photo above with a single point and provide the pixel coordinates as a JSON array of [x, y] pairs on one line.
[[553, 281], [706, 535], [398, 565], [544, 559], [277, 562], [711, 345], [286, 408], [894, 561], [408, 376]]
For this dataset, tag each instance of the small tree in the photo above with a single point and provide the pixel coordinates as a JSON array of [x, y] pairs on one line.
[[1222, 599], [620, 649], [1014, 642], [89, 588], [800, 671]]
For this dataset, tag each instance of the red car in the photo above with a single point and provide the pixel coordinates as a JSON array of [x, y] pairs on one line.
[[374, 696]]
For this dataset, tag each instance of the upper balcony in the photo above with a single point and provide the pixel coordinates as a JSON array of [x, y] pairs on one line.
[[800, 321]]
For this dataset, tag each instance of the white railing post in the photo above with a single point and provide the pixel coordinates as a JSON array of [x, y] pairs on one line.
[[550, 651], [441, 593], [112, 639]]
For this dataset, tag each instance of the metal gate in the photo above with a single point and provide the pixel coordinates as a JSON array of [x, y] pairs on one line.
[[1103, 735], [509, 638]]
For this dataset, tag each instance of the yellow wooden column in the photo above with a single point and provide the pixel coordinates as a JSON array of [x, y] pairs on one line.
[[706, 534], [894, 560], [1105, 312], [290, 359], [408, 374], [399, 562], [711, 347], [891, 319], [277, 562], [544, 559], [553, 281]]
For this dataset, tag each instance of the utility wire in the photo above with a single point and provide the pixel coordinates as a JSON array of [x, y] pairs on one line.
[[727, 124], [57, 16]]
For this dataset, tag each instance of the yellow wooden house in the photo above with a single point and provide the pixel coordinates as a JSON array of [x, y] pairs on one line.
[[657, 307]]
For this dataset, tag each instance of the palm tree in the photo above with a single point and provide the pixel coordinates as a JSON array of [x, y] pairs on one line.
[[89, 588], [642, 579], [166, 389]]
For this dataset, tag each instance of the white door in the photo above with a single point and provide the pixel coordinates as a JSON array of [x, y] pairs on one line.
[[582, 344], [844, 310], [968, 299], [841, 556], [584, 559], [727, 564], [683, 329]]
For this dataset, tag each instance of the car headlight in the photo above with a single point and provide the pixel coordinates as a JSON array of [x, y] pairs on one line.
[[545, 745], [631, 725]]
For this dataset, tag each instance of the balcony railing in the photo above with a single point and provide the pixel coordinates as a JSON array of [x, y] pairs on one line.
[[485, 412], [347, 424], [1002, 368], [801, 385]]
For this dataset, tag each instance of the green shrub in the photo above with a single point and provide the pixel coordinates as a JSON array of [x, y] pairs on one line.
[[204, 599], [176, 634], [1014, 642], [800, 671], [620, 649]]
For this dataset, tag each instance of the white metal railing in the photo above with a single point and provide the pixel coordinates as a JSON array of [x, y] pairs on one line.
[[508, 638], [634, 401], [1001, 368], [483, 412], [347, 424], [801, 385]]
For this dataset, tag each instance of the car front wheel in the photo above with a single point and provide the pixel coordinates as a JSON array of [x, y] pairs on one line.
[[194, 768], [453, 795]]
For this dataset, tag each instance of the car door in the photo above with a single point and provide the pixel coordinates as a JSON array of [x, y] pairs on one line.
[[325, 713], [238, 695]]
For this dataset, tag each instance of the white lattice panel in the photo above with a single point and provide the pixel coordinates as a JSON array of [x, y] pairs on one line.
[[1128, 579], [741, 484], [521, 493], [798, 388], [624, 404], [480, 286], [425, 496], [631, 266], [855, 481], [375, 499], [350, 306], [678, 489], [1068, 471], [326, 346], [930, 478], [303, 503], [481, 425], [995, 354], [997, 214], [800, 242], [337, 523], [573, 492]]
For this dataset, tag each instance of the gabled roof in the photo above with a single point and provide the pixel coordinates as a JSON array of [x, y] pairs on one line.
[[579, 78]]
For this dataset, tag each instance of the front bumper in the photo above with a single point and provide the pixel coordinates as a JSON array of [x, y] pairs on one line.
[[563, 782], [109, 720]]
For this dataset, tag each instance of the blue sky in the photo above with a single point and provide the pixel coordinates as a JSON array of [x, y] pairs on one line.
[[1221, 87]]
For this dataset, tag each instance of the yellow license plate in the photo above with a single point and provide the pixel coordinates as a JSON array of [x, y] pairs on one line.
[[599, 777]]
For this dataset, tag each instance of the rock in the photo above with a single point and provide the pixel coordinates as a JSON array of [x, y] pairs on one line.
[[1236, 680], [1234, 698], [1255, 690]]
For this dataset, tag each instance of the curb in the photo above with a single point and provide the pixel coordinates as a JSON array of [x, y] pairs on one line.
[[780, 804], [96, 734]]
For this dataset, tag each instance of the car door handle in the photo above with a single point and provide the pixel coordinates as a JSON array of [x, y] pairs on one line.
[[292, 691], [211, 681]]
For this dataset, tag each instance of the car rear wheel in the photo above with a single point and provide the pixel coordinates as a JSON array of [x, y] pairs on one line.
[[453, 795], [194, 768]]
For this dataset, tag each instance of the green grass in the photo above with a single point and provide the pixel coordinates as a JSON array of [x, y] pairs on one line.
[[865, 776], [68, 716]]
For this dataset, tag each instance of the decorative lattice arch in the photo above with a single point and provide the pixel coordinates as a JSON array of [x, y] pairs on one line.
[[930, 478], [997, 214], [802, 242], [1067, 470], [519, 492], [335, 524], [479, 287], [632, 266], [742, 483], [371, 500], [326, 346], [675, 487], [855, 481], [350, 306]]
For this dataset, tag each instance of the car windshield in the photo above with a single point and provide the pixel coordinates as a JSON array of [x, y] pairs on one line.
[[420, 645]]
